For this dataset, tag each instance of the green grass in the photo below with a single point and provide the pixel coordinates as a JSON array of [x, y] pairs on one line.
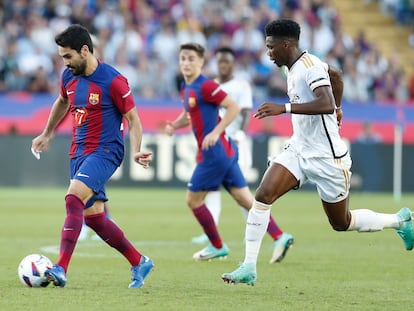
[[325, 270]]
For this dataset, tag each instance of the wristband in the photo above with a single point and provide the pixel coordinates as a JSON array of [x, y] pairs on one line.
[[288, 107]]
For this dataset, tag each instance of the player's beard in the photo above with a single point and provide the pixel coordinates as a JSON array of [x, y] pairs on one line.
[[80, 69]]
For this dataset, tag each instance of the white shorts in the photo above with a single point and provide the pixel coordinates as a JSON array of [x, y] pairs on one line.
[[245, 156], [331, 176]]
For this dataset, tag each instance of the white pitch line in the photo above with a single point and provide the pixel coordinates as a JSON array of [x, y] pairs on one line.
[[83, 248]]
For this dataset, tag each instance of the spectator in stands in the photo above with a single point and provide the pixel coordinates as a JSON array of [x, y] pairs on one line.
[[276, 84], [189, 30], [38, 82], [11, 79], [152, 30], [343, 44], [248, 38], [165, 43], [368, 135], [370, 66], [390, 86], [355, 85]]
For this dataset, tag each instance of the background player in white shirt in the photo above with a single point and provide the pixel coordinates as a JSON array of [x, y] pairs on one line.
[[314, 153], [241, 91]]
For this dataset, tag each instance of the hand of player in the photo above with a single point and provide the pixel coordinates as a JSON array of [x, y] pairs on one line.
[[269, 109], [339, 115], [209, 140], [169, 128], [41, 143], [143, 158]]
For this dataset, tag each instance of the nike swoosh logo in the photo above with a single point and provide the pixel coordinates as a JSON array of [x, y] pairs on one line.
[[82, 175], [67, 229], [70, 92]]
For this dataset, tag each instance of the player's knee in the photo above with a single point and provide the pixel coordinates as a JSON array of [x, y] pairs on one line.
[[192, 204], [265, 196]]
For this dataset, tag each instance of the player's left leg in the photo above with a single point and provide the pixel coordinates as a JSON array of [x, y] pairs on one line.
[[84, 234], [108, 215], [217, 248], [207, 176], [332, 178], [111, 233], [213, 203], [366, 220]]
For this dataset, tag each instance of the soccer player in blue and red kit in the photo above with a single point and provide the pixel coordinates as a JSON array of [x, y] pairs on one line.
[[217, 157], [98, 97]]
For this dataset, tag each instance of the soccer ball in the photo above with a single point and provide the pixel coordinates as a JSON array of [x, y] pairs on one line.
[[32, 268]]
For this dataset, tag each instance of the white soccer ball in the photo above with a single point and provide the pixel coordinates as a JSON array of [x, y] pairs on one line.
[[32, 268]]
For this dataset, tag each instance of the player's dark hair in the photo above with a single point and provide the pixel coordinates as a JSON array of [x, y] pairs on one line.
[[74, 37], [198, 48], [283, 28], [226, 49]]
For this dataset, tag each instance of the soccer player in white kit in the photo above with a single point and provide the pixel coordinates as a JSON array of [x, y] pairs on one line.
[[314, 153], [241, 91]]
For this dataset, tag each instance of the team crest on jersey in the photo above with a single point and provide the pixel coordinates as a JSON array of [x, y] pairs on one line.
[[192, 101], [93, 98]]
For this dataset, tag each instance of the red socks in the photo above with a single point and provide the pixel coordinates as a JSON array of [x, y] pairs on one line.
[[273, 229], [206, 221], [71, 229], [113, 236]]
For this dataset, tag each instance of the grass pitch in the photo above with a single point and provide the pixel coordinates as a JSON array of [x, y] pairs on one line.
[[325, 270]]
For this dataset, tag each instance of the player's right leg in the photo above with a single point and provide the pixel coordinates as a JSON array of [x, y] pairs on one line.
[[78, 193]]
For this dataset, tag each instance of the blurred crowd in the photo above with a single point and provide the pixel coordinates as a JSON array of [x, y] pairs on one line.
[[141, 39]]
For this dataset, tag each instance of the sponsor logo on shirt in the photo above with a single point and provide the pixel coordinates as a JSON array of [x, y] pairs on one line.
[[81, 114]]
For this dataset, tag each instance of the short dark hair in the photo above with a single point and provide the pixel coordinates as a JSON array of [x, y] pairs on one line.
[[283, 28], [196, 47], [74, 37], [226, 49]]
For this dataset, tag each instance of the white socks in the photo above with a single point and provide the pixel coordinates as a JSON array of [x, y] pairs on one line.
[[256, 226], [365, 220], [213, 203]]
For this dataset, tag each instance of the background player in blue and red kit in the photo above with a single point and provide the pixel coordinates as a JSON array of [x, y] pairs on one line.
[[98, 97], [217, 154]]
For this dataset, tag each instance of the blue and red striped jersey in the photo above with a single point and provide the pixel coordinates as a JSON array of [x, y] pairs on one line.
[[201, 100], [97, 104]]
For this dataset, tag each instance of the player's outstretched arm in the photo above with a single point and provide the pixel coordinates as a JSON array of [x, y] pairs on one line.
[[324, 103], [59, 109]]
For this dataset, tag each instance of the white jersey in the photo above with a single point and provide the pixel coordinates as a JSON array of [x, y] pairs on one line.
[[241, 92], [313, 135]]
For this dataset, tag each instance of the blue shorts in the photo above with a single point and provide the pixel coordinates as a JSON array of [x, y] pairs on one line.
[[94, 170], [210, 175]]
